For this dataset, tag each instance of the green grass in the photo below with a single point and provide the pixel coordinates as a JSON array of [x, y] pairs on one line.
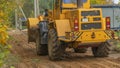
[[116, 43]]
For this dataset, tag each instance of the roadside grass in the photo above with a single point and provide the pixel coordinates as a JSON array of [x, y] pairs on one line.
[[116, 43], [11, 61]]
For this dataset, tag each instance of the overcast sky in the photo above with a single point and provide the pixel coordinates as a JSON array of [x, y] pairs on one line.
[[116, 1]]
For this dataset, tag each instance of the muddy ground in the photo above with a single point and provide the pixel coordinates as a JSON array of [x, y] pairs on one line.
[[25, 56]]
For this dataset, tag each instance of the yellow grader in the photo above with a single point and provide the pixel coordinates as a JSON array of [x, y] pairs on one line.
[[71, 23]]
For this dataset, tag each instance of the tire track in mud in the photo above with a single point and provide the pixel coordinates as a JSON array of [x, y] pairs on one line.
[[105, 63], [92, 63], [22, 47], [87, 61], [21, 65], [77, 65], [110, 63], [18, 47]]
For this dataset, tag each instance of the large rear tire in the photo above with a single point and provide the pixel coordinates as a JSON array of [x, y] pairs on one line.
[[42, 49], [80, 50], [102, 50], [54, 46]]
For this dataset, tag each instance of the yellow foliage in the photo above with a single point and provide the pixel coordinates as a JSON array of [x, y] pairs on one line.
[[3, 43], [1, 13], [6, 8], [3, 35]]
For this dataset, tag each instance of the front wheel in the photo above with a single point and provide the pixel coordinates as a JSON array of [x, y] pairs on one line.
[[41, 49], [54, 46], [102, 50]]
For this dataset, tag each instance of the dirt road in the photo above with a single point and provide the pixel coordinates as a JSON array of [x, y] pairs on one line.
[[28, 58]]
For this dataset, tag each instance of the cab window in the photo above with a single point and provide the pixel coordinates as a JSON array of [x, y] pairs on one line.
[[69, 1]]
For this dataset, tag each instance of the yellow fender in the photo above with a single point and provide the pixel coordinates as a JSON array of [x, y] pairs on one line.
[[32, 27]]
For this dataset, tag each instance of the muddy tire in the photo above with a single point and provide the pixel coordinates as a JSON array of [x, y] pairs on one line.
[[80, 50], [41, 49], [102, 50], [54, 46]]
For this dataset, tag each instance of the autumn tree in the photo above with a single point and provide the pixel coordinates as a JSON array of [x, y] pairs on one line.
[[6, 7]]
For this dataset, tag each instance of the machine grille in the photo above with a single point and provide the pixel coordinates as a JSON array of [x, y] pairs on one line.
[[86, 26], [97, 19], [91, 13]]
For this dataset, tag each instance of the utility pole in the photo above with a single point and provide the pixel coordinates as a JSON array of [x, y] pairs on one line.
[[36, 8], [16, 19]]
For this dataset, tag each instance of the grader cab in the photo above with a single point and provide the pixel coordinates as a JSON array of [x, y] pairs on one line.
[[73, 24]]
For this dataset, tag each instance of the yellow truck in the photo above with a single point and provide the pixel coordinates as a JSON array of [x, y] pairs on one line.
[[73, 24]]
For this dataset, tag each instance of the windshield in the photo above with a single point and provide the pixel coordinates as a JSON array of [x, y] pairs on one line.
[[69, 1]]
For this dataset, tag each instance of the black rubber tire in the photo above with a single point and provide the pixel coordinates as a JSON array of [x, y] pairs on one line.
[[80, 50], [41, 49], [54, 46], [102, 50]]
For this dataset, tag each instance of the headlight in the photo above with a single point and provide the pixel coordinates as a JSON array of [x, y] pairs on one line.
[[84, 19]]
